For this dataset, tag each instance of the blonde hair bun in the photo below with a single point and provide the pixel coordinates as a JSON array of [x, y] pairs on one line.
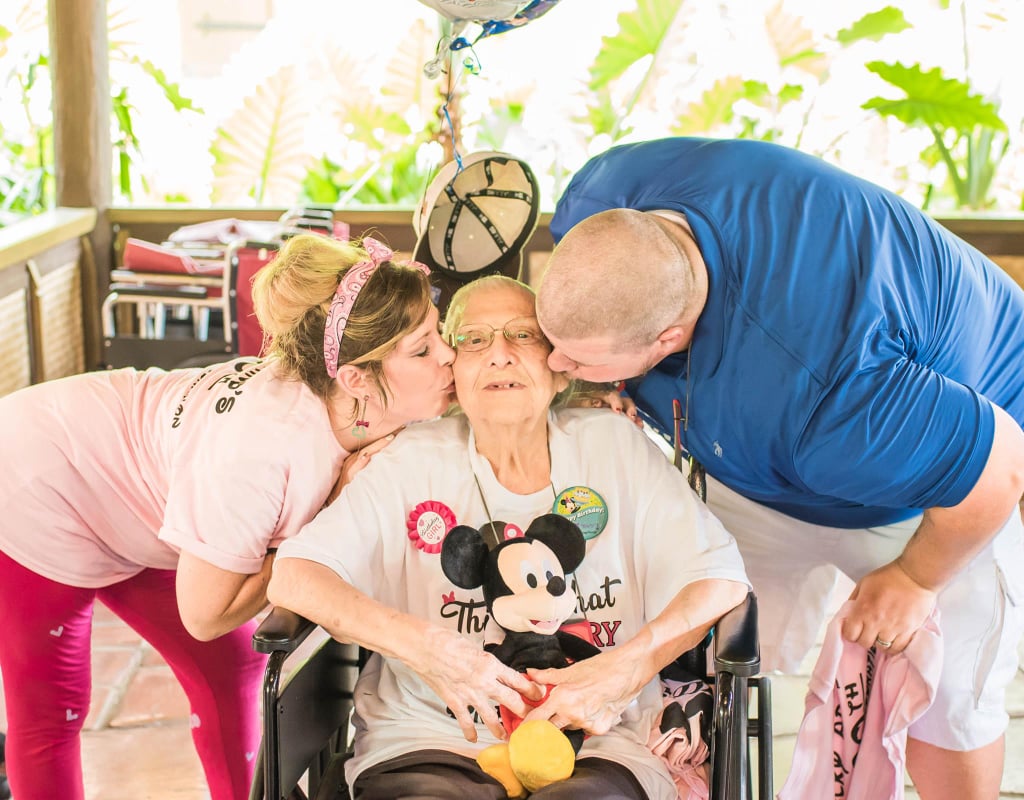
[[304, 274]]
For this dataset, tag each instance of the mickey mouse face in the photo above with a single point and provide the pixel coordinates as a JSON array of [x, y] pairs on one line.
[[523, 577], [534, 596]]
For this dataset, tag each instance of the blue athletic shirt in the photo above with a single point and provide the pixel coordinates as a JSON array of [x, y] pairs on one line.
[[842, 366]]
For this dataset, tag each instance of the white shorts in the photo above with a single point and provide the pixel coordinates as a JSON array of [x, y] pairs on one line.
[[792, 567]]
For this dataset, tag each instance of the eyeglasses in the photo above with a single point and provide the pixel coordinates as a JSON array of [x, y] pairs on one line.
[[523, 332]]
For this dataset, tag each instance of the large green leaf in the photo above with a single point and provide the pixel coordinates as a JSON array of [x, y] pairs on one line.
[[713, 109], [369, 122], [932, 99], [319, 185], [259, 151], [172, 91], [793, 42], [641, 33], [602, 115], [405, 84], [874, 26]]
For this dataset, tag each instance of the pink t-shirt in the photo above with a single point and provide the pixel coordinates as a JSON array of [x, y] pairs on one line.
[[106, 473], [853, 738]]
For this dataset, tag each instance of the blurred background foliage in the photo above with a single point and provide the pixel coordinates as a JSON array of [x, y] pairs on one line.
[[328, 102]]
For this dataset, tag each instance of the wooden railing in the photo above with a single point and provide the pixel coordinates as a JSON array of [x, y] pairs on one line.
[[1001, 238], [49, 306]]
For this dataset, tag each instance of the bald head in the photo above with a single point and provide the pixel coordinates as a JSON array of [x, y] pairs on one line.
[[619, 274]]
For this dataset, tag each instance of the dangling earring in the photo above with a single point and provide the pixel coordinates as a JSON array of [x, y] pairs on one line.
[[360, 428]]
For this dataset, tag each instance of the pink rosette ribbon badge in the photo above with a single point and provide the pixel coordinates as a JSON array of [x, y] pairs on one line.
[[428, 524]]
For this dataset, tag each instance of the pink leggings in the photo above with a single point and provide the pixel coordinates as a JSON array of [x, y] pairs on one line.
[[45, 663]]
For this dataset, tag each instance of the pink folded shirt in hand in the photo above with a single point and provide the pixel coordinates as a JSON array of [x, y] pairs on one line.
[[853, 738]]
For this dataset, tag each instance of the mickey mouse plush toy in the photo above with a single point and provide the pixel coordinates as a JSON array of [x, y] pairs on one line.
[[524, 586]]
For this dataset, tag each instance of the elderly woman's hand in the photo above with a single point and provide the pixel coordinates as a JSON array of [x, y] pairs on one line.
[[590, 694], [467, 677]]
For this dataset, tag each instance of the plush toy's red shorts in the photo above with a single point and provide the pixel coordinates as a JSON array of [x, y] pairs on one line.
[[511, 721], [580, 628]]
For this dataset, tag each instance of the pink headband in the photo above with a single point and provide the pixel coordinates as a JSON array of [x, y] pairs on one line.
[[345, 297]]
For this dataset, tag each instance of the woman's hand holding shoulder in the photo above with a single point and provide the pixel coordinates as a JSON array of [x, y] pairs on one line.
[[354, 464]]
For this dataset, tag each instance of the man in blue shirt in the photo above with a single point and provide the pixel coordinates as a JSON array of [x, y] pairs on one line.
[[850, 374]]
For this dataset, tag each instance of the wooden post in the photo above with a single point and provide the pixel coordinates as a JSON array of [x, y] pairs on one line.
[[79, 67]]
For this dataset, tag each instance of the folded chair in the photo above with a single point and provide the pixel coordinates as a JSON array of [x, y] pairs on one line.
[[306, 727], [204, 270]]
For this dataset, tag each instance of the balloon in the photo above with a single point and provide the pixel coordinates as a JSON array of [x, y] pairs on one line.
[[476, 10], [493, 17], [533, 10], [494, 26]]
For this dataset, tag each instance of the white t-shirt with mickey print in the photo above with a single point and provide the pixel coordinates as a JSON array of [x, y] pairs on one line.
[[659, 537]]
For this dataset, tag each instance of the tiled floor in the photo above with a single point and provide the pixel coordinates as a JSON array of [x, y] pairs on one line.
[[137, 746], [137, 742]]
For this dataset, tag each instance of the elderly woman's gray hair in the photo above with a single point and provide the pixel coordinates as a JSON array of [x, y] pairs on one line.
[[457, 307]]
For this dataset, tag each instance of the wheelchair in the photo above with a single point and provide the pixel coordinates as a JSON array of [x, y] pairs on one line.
[[306, 718]]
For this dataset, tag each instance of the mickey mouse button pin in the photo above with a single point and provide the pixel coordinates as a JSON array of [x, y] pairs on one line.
[[428, 524], [585, 507]]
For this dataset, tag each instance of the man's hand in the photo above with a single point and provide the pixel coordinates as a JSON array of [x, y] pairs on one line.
[[600, 395], [888, 606]]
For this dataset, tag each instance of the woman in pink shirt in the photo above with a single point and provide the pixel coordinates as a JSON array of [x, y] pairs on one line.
[[164, 495]]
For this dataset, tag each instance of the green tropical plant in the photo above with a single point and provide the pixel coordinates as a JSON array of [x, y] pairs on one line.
[[26, 144], [968, 133], [969, 136], [642, 34], [259, 151], [26, 154], [737, 105], [391, 170], [125, 65], [749, 108]]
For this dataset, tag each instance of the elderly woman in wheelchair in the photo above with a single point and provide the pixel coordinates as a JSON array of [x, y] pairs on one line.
[[657, 573]]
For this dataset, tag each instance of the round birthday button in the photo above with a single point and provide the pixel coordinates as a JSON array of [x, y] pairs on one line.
[[585, 507], [428, 524]]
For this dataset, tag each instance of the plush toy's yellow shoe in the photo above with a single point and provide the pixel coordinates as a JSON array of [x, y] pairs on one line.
[[540, 754], [494, 760]]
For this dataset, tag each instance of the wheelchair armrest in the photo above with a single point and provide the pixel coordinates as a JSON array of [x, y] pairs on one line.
[[735, 642], [282, 630]]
